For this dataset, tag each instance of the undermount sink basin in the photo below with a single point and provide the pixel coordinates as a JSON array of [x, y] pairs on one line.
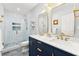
[[54, 38], [65, 38]]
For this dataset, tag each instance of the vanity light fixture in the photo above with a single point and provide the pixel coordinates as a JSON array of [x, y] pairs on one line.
[[49, 7], [76, 13]]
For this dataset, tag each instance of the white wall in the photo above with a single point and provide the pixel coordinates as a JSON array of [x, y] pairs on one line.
[[1, 27], [1, 9]]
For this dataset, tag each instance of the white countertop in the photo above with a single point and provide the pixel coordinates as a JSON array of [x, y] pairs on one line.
[[70, 46]]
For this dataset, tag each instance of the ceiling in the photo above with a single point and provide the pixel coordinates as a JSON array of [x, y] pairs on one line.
[[21, 8]]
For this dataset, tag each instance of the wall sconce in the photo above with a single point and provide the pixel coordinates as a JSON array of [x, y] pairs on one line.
[[55, 22], [76, 13], [1, 18]]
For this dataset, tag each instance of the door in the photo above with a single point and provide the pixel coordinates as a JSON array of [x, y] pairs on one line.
[[15, 30]]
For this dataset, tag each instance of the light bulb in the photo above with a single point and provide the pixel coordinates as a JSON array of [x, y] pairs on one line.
[[18, 9]]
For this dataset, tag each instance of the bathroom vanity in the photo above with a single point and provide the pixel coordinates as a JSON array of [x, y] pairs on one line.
[[50, 46]]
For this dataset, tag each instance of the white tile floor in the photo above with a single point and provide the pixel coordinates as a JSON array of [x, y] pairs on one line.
[[16, 52]]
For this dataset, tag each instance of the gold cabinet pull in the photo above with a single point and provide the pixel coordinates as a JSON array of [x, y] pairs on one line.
[[39, 49]]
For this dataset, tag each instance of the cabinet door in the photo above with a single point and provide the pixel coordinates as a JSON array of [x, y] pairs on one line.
[[39, 48], [45, 49], [58, 52], [32, 47]]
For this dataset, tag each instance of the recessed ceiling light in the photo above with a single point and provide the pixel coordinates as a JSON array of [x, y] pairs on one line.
[[18, 9]]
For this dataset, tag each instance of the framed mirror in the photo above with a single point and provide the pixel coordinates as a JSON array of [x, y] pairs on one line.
[[76, 17], [42, 23]]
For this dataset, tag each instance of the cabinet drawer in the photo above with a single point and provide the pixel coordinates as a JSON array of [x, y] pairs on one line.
[[39, 48], [44, 50], [44, 53], [34, 41]]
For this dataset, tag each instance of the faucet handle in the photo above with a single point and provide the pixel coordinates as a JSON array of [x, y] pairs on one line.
[[66, 39]]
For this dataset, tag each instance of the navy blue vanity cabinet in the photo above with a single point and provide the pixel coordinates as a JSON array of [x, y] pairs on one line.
[[44, 49], [59, 52], [32, 47], [38, 48]]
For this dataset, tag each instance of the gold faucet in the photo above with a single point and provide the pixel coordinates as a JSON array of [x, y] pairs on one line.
[[61, 36], [66, 39]]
